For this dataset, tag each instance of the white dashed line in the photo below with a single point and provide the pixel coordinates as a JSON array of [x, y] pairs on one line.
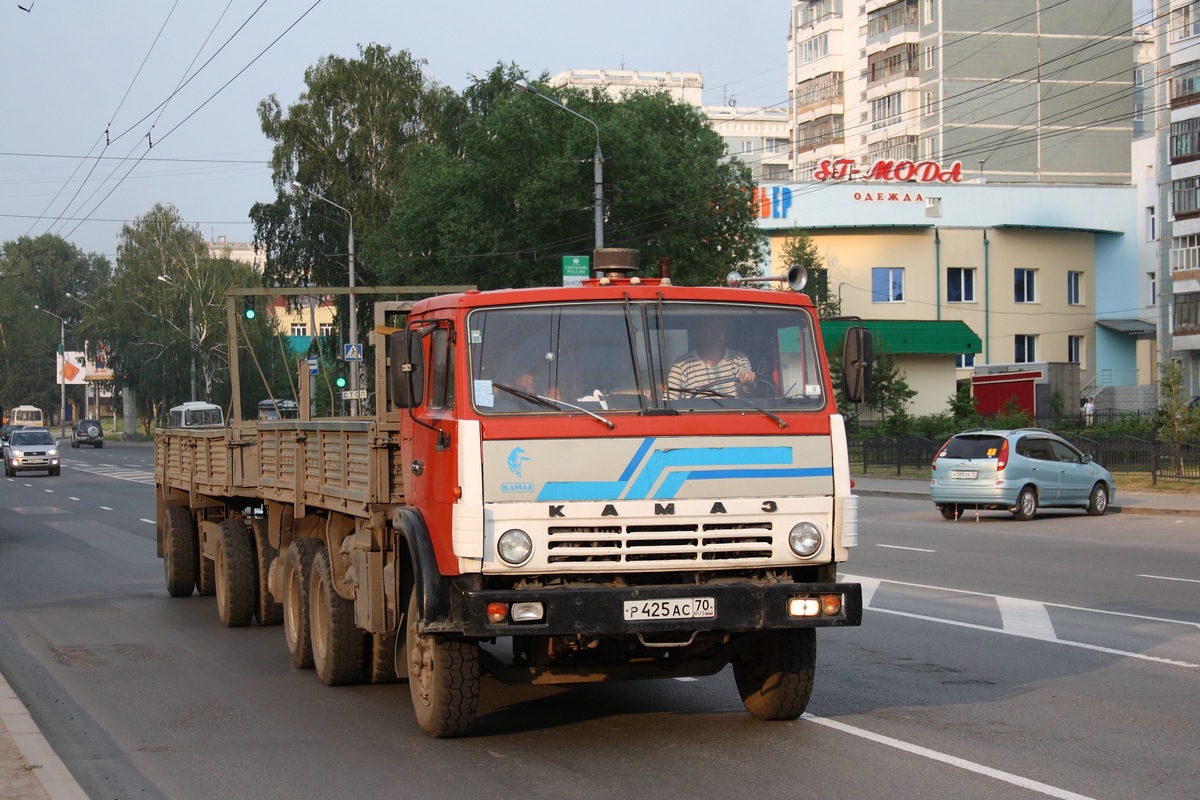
[[1166, 578]]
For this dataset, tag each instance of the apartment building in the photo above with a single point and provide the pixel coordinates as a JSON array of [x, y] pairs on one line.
[[1016, 90]]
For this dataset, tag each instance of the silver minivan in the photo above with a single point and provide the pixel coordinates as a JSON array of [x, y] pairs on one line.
[[1018, 471]]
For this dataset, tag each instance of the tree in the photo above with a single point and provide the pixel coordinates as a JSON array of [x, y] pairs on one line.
[[347, 139], [499, 203], [800, 249], [166, 311], [41, 271]]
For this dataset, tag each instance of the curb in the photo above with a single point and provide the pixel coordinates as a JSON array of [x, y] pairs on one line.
[[55, 779]]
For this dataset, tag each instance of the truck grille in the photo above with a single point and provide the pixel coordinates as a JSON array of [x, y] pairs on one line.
[[633, 544]]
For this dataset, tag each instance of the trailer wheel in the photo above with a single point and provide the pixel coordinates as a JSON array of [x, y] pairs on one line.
[[266, 609], [775, 676], [337, 643], [297, 573], [179, 552], [234, 572], [381, 658], [443, 679]]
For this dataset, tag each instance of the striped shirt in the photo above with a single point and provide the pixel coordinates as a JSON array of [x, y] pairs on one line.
[[693, 372]]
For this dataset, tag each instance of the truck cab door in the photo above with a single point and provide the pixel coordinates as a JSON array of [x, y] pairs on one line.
[[433, 471]]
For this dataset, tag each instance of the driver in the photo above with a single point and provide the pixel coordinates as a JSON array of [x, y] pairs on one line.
[[710, 365]]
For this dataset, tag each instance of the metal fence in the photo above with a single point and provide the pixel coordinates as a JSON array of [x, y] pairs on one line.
[[1119, 454]]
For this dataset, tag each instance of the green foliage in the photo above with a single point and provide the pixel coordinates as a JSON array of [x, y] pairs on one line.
[[964, 413], [1176, 422], [41, 272], [890, 393], [347, 139], [515, 193]]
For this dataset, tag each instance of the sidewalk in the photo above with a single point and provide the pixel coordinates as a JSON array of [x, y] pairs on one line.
[[30, 770], [1140, 502]]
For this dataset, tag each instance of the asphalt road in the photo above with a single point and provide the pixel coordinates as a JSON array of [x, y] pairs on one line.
[[1055, 658]]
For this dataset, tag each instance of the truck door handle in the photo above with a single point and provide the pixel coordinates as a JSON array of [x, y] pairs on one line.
[[417, 466]]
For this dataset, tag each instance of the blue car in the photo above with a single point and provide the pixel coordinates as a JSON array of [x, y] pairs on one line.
[[1018, 471]]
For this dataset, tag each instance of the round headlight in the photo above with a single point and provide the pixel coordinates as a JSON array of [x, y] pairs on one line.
[[515, 547], [805, 539]]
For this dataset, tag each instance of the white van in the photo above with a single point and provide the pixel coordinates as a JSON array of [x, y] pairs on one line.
[[196, 415], [30, 416]]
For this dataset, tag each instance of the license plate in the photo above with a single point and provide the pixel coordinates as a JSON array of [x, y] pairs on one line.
[[964, 474], [671, 608]]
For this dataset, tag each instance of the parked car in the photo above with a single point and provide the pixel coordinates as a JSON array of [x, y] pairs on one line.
[[87, 431], [31, 449], [1018, 471]]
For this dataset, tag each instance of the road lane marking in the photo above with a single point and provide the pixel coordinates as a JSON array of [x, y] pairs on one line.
[[945, 758], [148, 521], [1025, 618], [1167, 578], [914, 549]]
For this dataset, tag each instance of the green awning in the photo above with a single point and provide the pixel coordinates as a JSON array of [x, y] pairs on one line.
[[918, 337]]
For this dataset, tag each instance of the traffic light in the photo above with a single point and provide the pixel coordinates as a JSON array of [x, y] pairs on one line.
[[248, 302], [340, 379]]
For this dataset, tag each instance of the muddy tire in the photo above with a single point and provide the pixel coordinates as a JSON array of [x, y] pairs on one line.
[[234, 574], [949, 512], [206, 573], [266, 609], [1098, 501], [443, 679], [775, 676], [179, 552], [1027, 504], [337, 643], [297, 573]]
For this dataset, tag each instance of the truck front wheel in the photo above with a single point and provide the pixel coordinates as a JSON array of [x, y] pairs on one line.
[[337, 643], [297, 574], [234, 574], [179, 552], [443, 679], [775, 675]]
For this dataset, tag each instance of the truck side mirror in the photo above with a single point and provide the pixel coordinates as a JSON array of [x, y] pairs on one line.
[[406, 368], [857, 357]]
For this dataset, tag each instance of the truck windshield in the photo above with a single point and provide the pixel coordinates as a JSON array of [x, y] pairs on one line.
[[642, 356]]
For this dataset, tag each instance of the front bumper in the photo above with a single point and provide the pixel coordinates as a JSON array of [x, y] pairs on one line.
[[599, 611]]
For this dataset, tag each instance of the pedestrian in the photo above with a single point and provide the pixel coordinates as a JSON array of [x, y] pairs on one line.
[[1089, 410]]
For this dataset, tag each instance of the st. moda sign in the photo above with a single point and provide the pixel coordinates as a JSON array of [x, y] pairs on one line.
[[887, 170]]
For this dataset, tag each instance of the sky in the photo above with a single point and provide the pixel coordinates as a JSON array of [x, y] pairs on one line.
[[110, 107]]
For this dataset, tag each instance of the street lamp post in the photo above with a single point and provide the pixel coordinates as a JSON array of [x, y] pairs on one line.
[[191, 336], [597, 160], [62, 379], [353, 319]]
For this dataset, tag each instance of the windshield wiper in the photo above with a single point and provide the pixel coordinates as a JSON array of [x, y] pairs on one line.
[[713, 393], [551, 403]]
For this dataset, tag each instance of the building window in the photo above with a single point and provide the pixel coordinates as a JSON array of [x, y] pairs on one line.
[[299, 329], [812, 49], [1153, 278], [1187, 314], [1185, 22], [930, 59], [929, 104], [1024, 283], [1026, 349], [1185, 84], [964, 360], [1151, 225], [928, 5], [325, 329], [1074, 282], [887, 285], [960, 285], [1074, 349], [1184, 197], [886, 110], [1185, 140]]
